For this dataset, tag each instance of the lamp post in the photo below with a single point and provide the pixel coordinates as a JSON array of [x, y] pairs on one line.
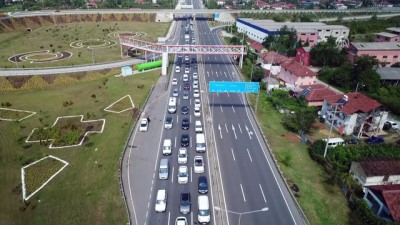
[[330, 130], [362, 85], [243, 213]]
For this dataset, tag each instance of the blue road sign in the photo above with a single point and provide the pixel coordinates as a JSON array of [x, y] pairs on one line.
[[235, 87]]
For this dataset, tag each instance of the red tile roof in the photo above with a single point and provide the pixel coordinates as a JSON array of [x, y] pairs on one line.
[[297, 69], [356, 102], [380, 166], [318, 92], [273, 57], [261, 4], [257, 46], [391, 196]]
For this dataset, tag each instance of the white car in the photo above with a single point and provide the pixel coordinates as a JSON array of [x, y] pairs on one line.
[[177, 69], [182, 156], [185, 78], [196, 93], [187, 70], [161, 201], [195, 76], [195, 84], [174, 81], [181, 221], [168, 123], [144, 125], [186, 57], [175, 93], [197, 112], [197, 103], [198, 164], [183, 175]]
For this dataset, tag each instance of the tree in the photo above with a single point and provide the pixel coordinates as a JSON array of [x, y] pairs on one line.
[[2, 3], [327, 54], [371, 79], [361, 64], [302, 120], [235, 40]]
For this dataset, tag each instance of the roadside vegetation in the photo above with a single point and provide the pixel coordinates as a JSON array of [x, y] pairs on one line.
[[87, 191]]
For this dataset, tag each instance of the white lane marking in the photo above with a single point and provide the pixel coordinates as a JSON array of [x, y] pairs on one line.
[[234, 132], [177, 118], [244, 197], [179, 101], [190, 118], [240, 128], [208, 74], [191, 174], [249, 155], [226, 128], [262, 192], [172, 175], [175, 142], [216, 73], [233, 155], [233, 108], [249, 132], [190, 142], [220, 132], [190, 101], [220, 106], [169, 217], [191, 218], [228, 94], [225, 74]]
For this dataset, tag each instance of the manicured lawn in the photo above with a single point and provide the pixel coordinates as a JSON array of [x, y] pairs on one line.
[[59, 37], [87, 191], [321, 202]]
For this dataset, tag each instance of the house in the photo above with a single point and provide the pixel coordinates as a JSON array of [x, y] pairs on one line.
[[384, 201], [311, 32], [389, 75], [387, 37], [386, 52], [220, 2], [293, 74], [303, 56], [271, 61], [376, 171], [315, 94], [256, 47], [261, 4], [354, 113], [394, 30]]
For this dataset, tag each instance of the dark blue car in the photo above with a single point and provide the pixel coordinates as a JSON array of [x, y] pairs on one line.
[[374, 140]]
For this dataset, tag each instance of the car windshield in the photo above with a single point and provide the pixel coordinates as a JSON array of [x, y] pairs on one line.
[[143, 125], [204, 212], [163, 170], [160, 202], [182, 155], [203, 185], [182, 174], [198, 162]]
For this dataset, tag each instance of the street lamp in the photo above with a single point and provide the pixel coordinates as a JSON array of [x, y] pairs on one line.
[[362, 85], [243, 213], [330, 129]]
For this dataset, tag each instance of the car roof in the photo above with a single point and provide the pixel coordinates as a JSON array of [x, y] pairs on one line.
[[202, 179]]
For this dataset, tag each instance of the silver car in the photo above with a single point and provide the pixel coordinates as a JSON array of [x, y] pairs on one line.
[[185, 95], [175, 93]]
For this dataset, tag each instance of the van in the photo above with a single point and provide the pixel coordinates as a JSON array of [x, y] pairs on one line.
[[334, 142], [167, 147], [161, 201], [164, 169], [200, 143], [172, 105], [198, 127], [204, 209]]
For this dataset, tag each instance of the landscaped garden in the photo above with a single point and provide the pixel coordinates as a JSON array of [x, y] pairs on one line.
[[86, 191]]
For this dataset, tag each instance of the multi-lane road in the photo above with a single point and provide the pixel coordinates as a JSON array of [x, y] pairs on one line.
[[251, 189]]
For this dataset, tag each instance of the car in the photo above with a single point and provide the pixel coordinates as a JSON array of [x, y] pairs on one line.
[[197, 112], [185, 110], [144, 125], [181, 221], [193, 42], [352, 141], [185, 123], [202, 185], [187, 70], [175, 93], [196, 93], [195, 66], [186, 86], [374, 140], [179, 56], [185, 139], [168, 123], [195, 84], [185, 78], [186, 57], [161, 201], [198, 164], [195, 76], [185, 203], [392, 125], [182, 156], [185, 95], [174, 81], [177, 69], [183, 175], [194, 60], [197, 103]]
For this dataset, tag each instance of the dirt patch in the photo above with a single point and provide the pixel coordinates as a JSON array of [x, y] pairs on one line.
[[319, 125], [292, 138]]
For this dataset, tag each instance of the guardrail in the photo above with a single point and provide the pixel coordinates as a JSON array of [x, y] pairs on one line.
[[121, 158]]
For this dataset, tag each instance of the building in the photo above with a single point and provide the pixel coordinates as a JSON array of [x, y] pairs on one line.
[[293, 74], [271, 61], [376, 171], [315, 94], [303, 56], [389, 75], [256, 47], [311, 32], [394, 30], [387, 37], [384, 201], [355, 114], [386, 52]]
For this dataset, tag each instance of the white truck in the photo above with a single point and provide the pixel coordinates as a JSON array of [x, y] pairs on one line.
[[187, 38]]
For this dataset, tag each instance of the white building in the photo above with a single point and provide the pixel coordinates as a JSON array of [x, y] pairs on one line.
[[313, 32], [375, 171]]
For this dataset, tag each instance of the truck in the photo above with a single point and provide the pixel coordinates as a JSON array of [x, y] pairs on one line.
[[187, 38]]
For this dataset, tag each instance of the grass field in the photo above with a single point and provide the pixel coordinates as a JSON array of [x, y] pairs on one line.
[[59, 37], [87, 190], [321, 202]]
